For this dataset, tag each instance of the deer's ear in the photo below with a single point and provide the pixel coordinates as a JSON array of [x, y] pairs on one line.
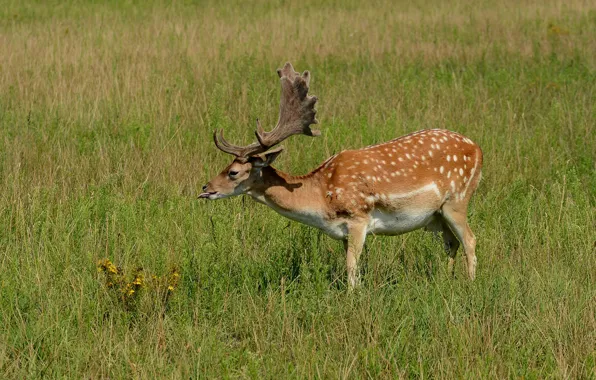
[[267, 158]]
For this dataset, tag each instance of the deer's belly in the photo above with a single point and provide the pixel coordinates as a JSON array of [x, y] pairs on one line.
[[336, 229], [398, 222]]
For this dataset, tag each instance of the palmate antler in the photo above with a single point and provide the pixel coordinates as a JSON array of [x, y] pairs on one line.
[[296, 114]]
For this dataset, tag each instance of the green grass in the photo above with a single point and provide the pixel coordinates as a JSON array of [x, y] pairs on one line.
[[106, 111]]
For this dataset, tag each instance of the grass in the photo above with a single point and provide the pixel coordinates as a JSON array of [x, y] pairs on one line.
[[106, 111]]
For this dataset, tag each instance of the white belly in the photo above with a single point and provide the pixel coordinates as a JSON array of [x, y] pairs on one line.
[[336, 229], [398, 222]]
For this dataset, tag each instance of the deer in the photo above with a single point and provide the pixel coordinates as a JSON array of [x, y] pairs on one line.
[[421, 180]]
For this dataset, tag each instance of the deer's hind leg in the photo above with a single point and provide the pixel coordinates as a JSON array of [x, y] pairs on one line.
[[455, 216], [451, 245]]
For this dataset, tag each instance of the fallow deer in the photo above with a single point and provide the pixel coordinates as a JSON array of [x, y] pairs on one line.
[[424, 179]]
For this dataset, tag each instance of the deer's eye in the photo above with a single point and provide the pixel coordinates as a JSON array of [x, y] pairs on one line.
[[232, 173]]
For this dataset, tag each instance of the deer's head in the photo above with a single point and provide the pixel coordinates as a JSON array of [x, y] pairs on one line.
[[240, 176], [296, 114]]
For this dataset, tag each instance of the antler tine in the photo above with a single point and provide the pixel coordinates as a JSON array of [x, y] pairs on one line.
[[287, 71], [296, 109], [238, 151], [259, 130]]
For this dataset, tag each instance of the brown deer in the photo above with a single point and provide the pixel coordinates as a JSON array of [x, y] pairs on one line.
[[424, 179]]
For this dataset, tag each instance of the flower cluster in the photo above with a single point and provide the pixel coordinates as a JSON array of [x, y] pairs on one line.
[[113, 273], [127, 288]]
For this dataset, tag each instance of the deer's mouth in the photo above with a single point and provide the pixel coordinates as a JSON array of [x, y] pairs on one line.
[[210, 195]]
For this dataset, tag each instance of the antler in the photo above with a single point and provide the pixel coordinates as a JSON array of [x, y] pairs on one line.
[[238, 151], [296, 114]]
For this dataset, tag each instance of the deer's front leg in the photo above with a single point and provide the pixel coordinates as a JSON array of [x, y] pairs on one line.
[[353, 246]]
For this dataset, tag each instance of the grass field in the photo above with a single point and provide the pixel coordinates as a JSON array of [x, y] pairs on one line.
[[106, 114]]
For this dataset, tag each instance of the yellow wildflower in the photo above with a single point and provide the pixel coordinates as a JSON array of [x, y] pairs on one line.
[[112, 268]]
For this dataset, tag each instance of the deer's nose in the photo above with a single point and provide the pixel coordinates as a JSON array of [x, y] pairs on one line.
[[205, 188]]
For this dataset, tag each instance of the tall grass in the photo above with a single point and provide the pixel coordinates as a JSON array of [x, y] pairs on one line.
[[106, 111]]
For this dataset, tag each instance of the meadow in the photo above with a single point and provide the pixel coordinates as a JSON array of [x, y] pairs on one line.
[[111, 268]]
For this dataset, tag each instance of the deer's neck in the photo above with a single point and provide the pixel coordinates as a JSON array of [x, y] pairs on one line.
[[291, 196]]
